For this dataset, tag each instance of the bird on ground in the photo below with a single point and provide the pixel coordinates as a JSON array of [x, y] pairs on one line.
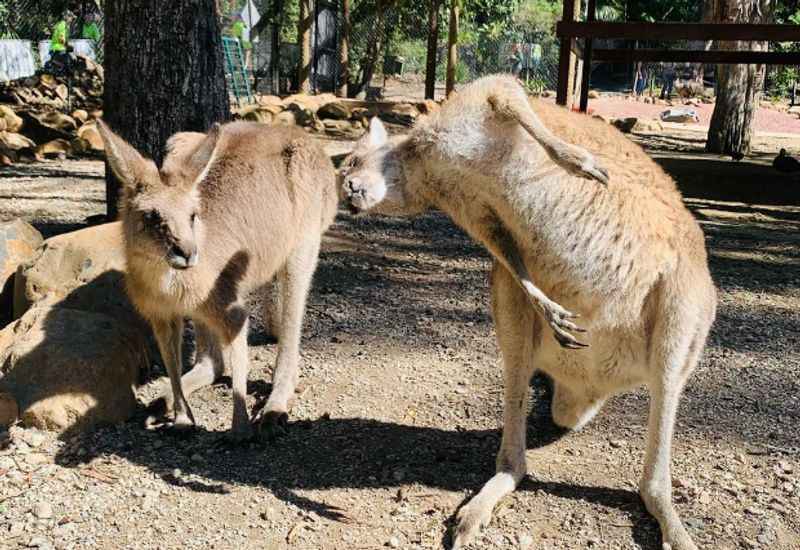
[[786, 163]]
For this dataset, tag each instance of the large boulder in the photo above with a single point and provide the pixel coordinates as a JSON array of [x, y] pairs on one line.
[[80, 270], [15, 142], [91, 135], [336, 110], [62, 122], [19, 242], [66, 368], [399, 113], [58, 148], [13, 122], [44, 128], [648, 126], [680, 114]]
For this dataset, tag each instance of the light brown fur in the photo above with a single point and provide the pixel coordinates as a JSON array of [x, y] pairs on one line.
[[263, 197], [628, 258]]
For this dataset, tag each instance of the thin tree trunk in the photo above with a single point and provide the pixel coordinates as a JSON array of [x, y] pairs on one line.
[[433, 40], [452, 48], [275, 47], [370, 60], [344, 42], [738, 86], [304, 43], [164, 73], [573, 61]]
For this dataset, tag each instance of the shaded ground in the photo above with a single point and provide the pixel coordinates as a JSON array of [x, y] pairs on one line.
[[397, 420]]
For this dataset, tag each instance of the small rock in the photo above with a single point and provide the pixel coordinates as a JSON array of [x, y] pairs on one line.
[[394, 542], [16, 529], [39, 541], [525, 541], [9, 410], [616, 443], [43, 510], [33, 438], [196, 457], [625, 125]]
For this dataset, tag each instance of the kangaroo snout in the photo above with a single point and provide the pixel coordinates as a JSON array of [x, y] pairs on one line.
[[182, 255]]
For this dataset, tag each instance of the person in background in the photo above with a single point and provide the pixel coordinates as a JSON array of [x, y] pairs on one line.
[[642, 76], [668, 76], [90, 29], [59, 39], [515, 60], [238, 31]]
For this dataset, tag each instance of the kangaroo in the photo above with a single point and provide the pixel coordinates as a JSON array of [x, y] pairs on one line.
[[628, 257], [227, 212]]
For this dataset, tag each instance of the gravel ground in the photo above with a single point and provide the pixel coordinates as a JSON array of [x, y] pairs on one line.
[[397, 419], [767, 120]]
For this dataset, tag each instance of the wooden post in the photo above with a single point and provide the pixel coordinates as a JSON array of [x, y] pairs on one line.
[[587, 59], [452, 48], [566, 59], [304, 42], [433, 40], [344, 41]]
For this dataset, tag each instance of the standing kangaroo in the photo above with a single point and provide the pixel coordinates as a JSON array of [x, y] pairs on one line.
[[627, 257], [226, 212]]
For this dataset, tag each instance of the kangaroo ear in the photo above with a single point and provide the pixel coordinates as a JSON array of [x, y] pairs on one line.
[[377, 133], [200, 161], [131, 169]]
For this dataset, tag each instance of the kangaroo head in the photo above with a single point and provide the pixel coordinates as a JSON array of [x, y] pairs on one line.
[[371, 176], [161, 209]]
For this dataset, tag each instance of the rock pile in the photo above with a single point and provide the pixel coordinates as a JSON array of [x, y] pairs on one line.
[[33, 125], [331, 115], [82, 89]]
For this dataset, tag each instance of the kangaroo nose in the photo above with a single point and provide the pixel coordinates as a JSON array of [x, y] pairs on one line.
[[184, 253], [352, 184]]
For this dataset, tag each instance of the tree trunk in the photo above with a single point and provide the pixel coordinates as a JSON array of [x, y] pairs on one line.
[[738, 86], [164, 73], [344, 41], [452, 48], [304, 43], [433, 40]]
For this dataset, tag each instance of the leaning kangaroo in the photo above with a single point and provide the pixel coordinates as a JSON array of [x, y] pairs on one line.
[[628, 257], [226, 212]]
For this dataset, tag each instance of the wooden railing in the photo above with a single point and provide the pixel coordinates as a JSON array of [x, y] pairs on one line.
[[568, 30]]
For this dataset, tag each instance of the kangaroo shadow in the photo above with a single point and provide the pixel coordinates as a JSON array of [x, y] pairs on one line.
[[357, 453]]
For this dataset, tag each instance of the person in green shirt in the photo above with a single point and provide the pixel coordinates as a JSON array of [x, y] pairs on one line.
[[237, 31], [90, 29], [60, 36]]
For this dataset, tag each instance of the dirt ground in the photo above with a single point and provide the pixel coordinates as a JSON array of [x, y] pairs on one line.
[[397, 420]]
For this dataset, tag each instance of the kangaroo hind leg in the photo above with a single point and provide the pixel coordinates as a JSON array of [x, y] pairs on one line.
[[510, 102], [517, 332]]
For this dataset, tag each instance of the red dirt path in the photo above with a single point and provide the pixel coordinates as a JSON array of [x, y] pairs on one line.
[[767, 120]]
